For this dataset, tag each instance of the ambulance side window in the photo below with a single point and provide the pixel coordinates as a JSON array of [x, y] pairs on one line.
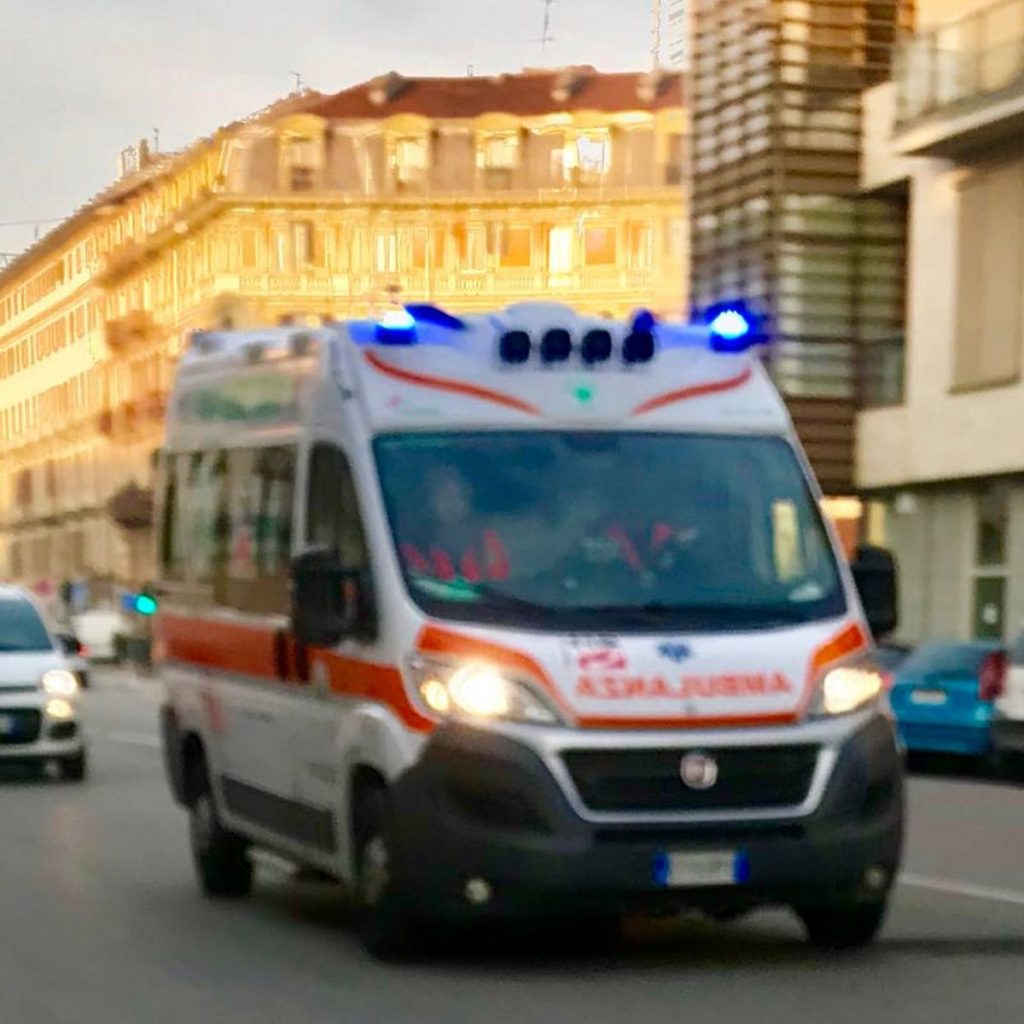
[[258, 530], [333, 518]]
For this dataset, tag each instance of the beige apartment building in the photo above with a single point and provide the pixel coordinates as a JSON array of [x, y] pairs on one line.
[[943, 463], [472, 193]]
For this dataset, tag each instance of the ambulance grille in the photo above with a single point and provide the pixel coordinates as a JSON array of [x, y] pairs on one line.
[[651, 780]]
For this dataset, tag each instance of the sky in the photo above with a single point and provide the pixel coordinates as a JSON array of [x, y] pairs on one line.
[[82, 79]]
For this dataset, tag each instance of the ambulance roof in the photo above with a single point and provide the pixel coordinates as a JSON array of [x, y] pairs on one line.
[[531, 366]]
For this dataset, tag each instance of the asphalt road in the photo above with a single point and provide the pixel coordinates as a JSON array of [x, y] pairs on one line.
[[101, 922]]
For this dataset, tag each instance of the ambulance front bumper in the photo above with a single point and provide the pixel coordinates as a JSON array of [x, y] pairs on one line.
[[490, 823]]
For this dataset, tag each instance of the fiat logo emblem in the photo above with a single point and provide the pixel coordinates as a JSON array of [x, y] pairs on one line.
[[698, 771]]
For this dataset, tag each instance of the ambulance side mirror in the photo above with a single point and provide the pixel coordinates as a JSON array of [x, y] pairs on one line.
[[875, 573], [329, 602]]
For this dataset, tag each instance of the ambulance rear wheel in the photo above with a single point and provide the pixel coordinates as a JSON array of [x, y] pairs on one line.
[[843, 926], [221, 858], [387, 926]]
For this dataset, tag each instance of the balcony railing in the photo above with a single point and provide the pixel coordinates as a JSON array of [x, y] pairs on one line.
[[969, 59]]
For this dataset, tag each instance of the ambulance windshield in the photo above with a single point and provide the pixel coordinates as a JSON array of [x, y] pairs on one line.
[[623, 531]]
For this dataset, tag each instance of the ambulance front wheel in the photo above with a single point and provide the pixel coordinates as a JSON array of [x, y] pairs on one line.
[[845, 925], [387, 926], [221, 858]]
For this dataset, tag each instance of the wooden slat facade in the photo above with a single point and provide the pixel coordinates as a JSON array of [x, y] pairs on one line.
[[777, 214]]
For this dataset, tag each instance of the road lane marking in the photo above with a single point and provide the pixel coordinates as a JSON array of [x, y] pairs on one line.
[[134, 739], [953, 888]]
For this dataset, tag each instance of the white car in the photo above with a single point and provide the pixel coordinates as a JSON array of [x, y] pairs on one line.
[[39, 719], [1008, 723], [98, 630]]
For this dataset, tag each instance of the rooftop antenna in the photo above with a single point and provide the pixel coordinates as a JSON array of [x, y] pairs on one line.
[[656, 33], [546, 36], [297, 75], [156, 139], [470, 71]]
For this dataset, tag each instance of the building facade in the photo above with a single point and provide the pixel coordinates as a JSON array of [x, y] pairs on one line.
[[777, 213], [944, 467], [471, 193]]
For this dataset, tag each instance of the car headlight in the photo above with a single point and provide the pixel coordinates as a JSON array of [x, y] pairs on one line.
[[58, 682], [477, 692], [847, 688]]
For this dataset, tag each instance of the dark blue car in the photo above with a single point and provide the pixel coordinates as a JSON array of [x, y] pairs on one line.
[[944, 696]]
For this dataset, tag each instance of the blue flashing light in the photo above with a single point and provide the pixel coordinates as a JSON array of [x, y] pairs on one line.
[[644, 322], [730, 325], [425, 313], [396, 327]]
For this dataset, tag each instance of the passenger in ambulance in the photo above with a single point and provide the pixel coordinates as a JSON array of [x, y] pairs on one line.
[[449, 542]]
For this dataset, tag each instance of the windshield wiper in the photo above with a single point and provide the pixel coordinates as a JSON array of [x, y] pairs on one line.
[[502, 599], [659, 611]]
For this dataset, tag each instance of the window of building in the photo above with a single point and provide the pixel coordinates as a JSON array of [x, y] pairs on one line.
[[990, 249], [992, 522], [593, 156], [499, 151], [561, 242], [498, 157], [411, 162], [418, 246], [385, 252], [641, 246], [282, 253], [250, 257], [516, 246], [304, 243], [301, 160], [600, 246]]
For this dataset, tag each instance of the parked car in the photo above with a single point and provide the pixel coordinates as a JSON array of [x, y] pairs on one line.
[[38, 691], [1008, 723], [889, 657], [100, 631], [944, 696]]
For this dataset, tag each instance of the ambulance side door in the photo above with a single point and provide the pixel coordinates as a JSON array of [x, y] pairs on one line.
[[332, 520]]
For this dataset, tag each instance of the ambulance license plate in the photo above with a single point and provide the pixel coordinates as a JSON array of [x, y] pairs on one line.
[[701, 868]]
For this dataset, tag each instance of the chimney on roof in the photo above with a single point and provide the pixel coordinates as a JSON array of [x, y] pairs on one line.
[[387, 88], [651, 85], [569, 82], [145, 157]]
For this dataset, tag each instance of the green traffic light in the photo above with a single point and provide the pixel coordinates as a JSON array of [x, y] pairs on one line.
[[146, 605]]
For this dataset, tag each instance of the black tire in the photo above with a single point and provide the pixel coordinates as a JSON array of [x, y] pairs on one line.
[[387, 926], [842, 926], [74, 768], [221, 857]]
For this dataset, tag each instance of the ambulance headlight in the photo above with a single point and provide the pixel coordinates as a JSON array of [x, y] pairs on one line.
[[847, 688], [478, 692]]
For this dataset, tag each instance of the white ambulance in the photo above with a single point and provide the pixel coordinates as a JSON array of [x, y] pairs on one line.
[[519, 614]]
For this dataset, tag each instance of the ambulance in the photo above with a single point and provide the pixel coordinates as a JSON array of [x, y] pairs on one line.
[[525, 614]]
